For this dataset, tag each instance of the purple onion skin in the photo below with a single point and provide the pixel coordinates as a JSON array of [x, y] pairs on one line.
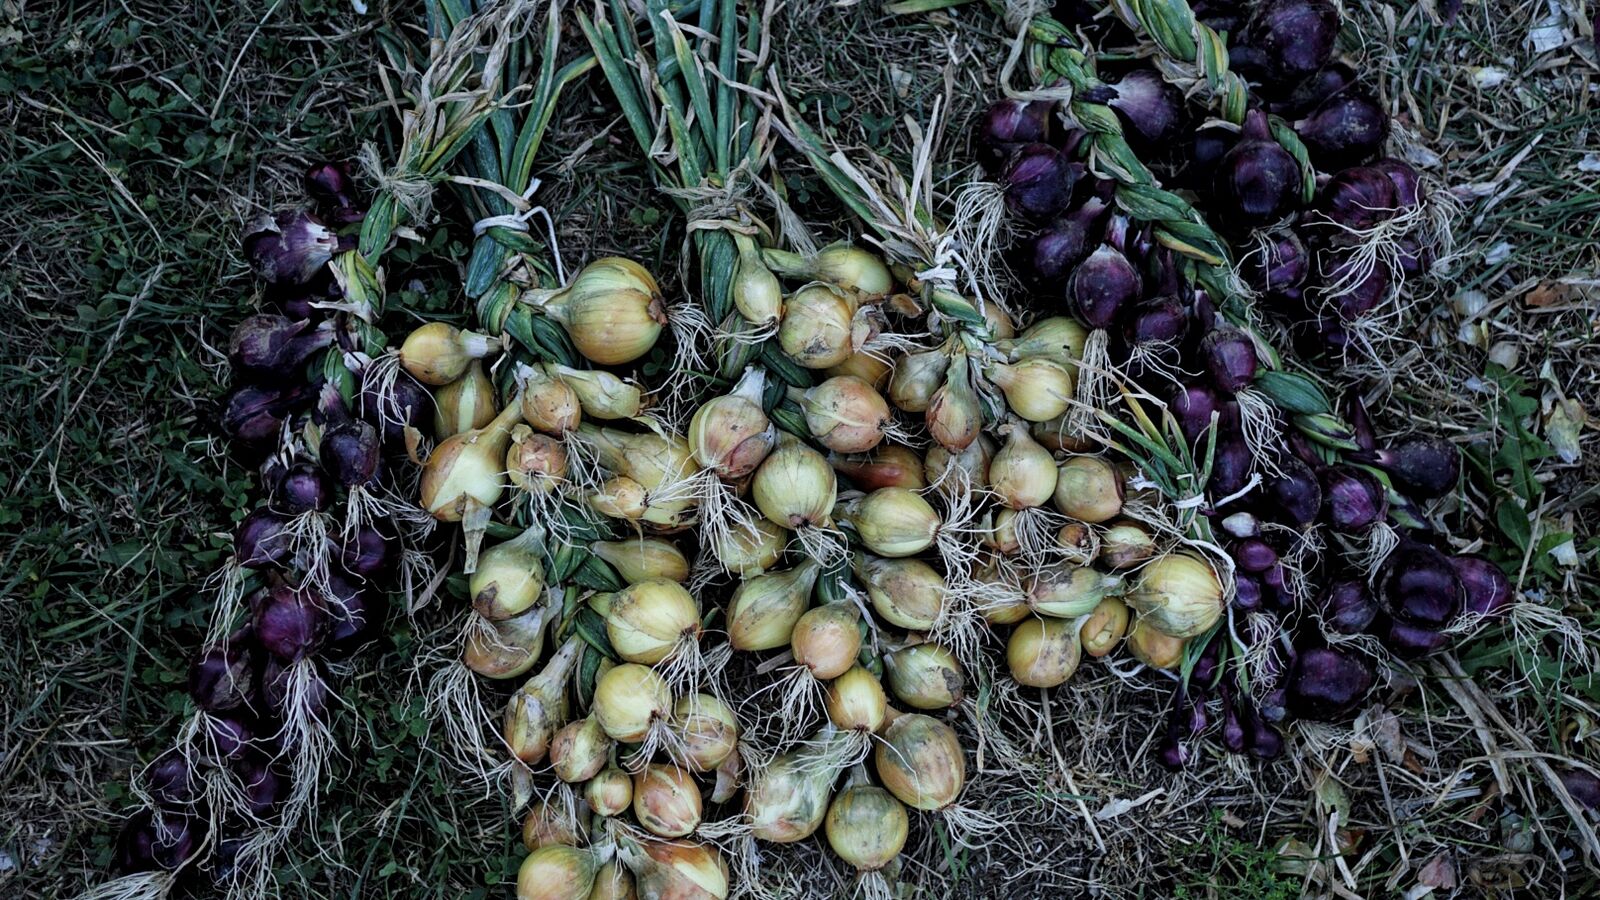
[[1281, 266], [1296, 496], [1038, 181], [1230, 358], [1008, 125], [353, 616], [290, 623], [259, 541], [1355, 413], [367, 554], [1247, 592], [1152, 108], [1254, 555], [1101, 286], [288, 247], [1348, 607], [253, 416], [1233, 733], [1326, 684], [275, 690], [1407, 183], [1066, 242], [1230, 466], [170, 781], [1425, 468], [231, 737], [1420, 587], [1346, 130], [329, 184], [1193, 406], [1314, 90], [1159, 320], [1366, 295], [264, 786], [1295, 37], [302, 489], [1409, 641], [1488, 589], [405, 403], [268, 346], [220, 678], [151, 841], [1257, 182], [1415, 258], [1583, 786], [1205, 152], [1353, 500], [351, 453], [1359, 197], [1266, 742]]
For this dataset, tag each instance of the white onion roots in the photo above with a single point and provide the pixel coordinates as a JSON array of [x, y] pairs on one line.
[[227, 587], [690, 667], [721, 511], [982, 226], [661, 739], [1096, 385], [1259, 424], [827, 546], [795, 702], [453, 699], [307, 537], [305, 740], [693, 332], [139, 886]]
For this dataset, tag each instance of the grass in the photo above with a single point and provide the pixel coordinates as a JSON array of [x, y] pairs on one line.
[[138, 138]]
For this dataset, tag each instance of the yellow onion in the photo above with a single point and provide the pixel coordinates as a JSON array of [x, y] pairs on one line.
[[646, 621], [855, 701], [764, 609], [1060, 338], [676, 870], [865, 366], [845, 414], [609, 792], [746, 552], [972, 463], [1005, 602], [954, 414], [794, 486], [628, 699], [731, 434], [1067, 591], [916, 377], [1126, 545], [557, 872], [925, 676], [1089, 489], [851, 268], [539, 707], [907, 593], [1178, 595], [651, 459], [548, 403], [536, 463], [756, 293], [786, 801], [1037, 388], [579, 750], [919, 760], [826, 641], [508, 648], [467, 471], [1060, 434], [889, 465], [817, 330], [1043, 653], [547, 824], [1154, 647], [510, 576], [1022, 473], [1001, 328], [438, 353], [643, 559], [601, 394], [619, 497], [866, 826], [1079, 543], [709, 729], [1104, 628], [612, 310], [666, 801], [613, 882], [463, 404], [893, 521], [1000, 535]]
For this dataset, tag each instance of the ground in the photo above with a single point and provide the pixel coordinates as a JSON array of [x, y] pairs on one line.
[[137, 138]]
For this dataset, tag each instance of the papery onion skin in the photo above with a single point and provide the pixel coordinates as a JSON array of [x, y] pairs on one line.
[[666, 801], [920, 761], [557, 872], [1043, 652], [866, 826]]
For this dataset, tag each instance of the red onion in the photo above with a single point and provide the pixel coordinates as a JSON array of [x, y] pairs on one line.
[[1488, 589], [264, 785], [221, 677], [1230, 358], [230, 737], [170, 781], [329, 184], [1345, 130], [404, 402], [1281, 264], [1247, 592], [1347, 606], [1407, 183], [1327, 683], [1359, 197], [302, 489], [1409, 641], [1254, 555], [1192, 406], [271, 346], [1296, 495], [288, 247], [1257, 182], [351, 453], [275, 683], [1353, 500], [1150, 107], [1426, 468], [1315, 89], [259, 540], [1295, 37], [1420, 587], [1362, 297], [1007, 125], [254, 416], [1038, 181], [366, 553], [290, 623], [1104, 282], [157, 840], [1066, 242]]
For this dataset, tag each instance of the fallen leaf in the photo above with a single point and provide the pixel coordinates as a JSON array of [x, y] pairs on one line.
[[1438, 873], [1548, 293]]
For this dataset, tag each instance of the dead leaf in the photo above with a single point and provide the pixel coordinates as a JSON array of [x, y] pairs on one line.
[[1549, 293], [1438, 873]]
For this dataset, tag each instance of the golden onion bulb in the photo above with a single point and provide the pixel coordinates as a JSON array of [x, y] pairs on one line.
[[1037, 389], [579, 750], [1066, 591], [601, 394], [1060, 338], [865, 366], [764, 609], [643, 559], [1043, 653], [855, 701], [955, 415], [747, 552], [1105, 627], [557, 872], [925, 676], [866, 826], [613, 882], [817, 330], [889, 465], [893, 521], [907, 593], [666, 801], [612, 310], [920, 761], [628, 699], [1154, 647], [845, 414], [731, 434], [709, 729], [794, 486], [507, 648], [1022, 473], [547, 823], [609, 792], [468, 469], [463, 404], [916, 377], [676, 870], [826, 641], [1126, 545], [438, 353], [1089, 489], [548, 403], [1178, 595], [646, 621], [786, 801], [509, 579], [536, 463]]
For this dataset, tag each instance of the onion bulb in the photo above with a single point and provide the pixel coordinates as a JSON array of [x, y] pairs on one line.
[[510, 576], [536, 463], [855, 701], [764, 609], [557, 872], [646, 621], [601, 394], [463, 404], [676, 870], [613, 882], [1060, 338], [893, 521], [709, 729], [954, 414], [826, 641], [920, 761], [1154, 647], [666, 801], [1126, 545], [746, 552], [953, 473], [817, 330], [468, 469], [1178, 595], [643, 559], [786, 801], [859, 271], [756, 293], [547, 824], [916, 377], [619, 497], [908, 593], [865, 366], [845, 414], [1022, 473], [1000, 532], [438, 353], [628, 699], [731, 434], [1043, 653], [925, 676], [653, 460], [507, 648], [1089, 489], [889, 465], [1067, 591], [795, 486], [609, 792], [549, 404], [539, 707], [579, 750], [1037, 388], [612, 310], [1105, 627], [866, 826]]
